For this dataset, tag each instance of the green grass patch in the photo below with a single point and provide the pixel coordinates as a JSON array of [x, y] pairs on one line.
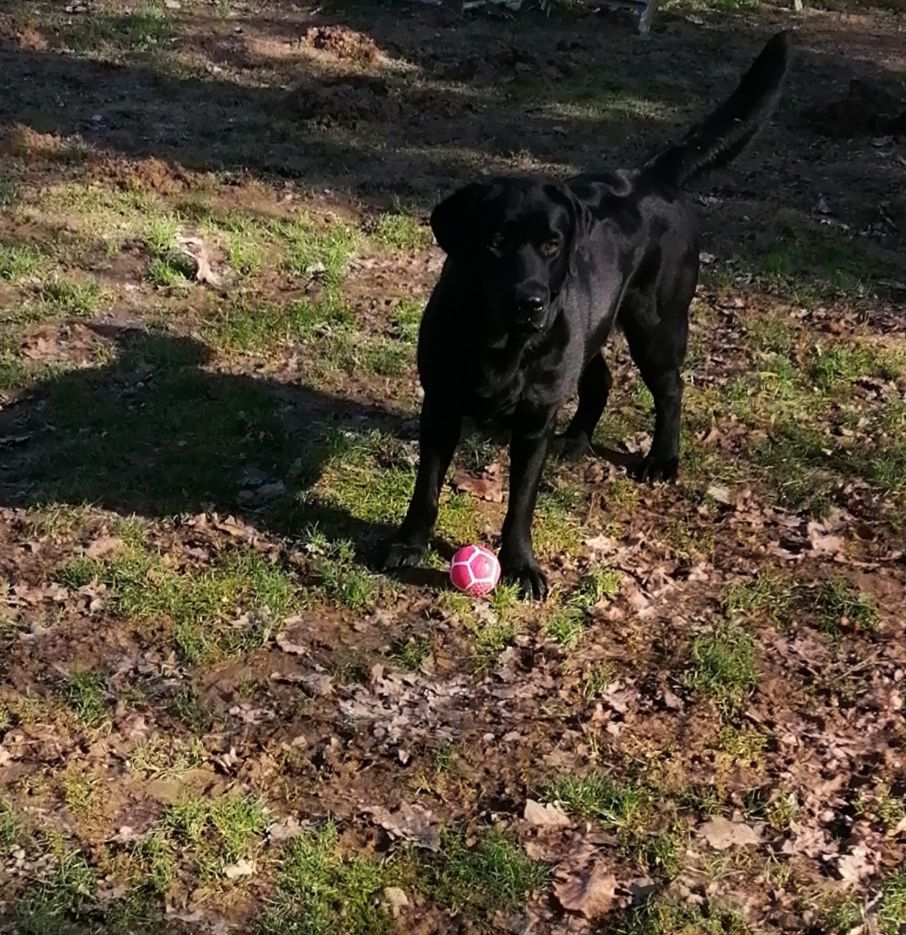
[[340, 578], [72, 298], [217, 832], [814, 263], [723, 665], [833, 604], [480, 876], [19, 262], [663, 917], [221, 610], [599, 798], [64, 898], [11, 830], [840, 365], [402, 232], [566, 626], [86, 695], [142, 30], [319, 251], [407, 317], [892, 914], [323, 891]]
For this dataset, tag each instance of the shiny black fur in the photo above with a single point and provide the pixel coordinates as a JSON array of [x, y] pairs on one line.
[[536, 275]]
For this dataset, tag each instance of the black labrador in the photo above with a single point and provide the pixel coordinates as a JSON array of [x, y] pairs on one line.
[[535, 277]]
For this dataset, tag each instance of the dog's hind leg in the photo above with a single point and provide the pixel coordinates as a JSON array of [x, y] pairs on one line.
[[657, 342], [594, 388]]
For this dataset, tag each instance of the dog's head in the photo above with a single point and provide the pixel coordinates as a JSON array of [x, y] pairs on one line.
[[516, 237]]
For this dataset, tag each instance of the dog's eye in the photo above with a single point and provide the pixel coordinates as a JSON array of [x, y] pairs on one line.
[[498, 243], [550, 247]]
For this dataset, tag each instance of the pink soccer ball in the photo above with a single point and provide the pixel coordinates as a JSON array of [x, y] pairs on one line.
[[474, 570]]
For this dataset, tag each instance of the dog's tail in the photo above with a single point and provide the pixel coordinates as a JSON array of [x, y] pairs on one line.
[[725, 133]]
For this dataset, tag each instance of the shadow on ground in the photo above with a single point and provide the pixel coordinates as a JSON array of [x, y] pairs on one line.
[[156, 434]]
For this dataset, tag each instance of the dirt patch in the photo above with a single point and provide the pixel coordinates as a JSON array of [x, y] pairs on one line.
[[343, 101], [866, 108], [342, 43], [150, 174]]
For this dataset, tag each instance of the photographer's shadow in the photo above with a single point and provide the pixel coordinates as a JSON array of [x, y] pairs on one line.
[[155, 433]]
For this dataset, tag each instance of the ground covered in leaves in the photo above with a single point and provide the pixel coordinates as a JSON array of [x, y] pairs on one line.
[[215, 713]]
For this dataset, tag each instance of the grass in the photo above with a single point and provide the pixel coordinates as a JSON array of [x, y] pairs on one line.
[[323, 891], [481, 875], [663, 917], [599, 798], [566, 624], [322, 251], [407, 317], [141, 30], [840, 365], [72, 298], [66, 895], [340, 578], [218, 832], [597, 678], [86, 695], [833, 604], [819, 263], [412, 652], [19, 262], [723, 665], [160, 757], [10, 826], [218, 611], [892, 914], [401, 232]]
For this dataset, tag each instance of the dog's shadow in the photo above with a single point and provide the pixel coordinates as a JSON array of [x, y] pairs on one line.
[[158, 431]]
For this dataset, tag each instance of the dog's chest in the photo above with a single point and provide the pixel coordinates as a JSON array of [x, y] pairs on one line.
[[499, 386]]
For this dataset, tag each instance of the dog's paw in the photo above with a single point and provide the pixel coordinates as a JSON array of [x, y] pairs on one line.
[[404, 555], [654, 468], [572, 447], [529, 576]]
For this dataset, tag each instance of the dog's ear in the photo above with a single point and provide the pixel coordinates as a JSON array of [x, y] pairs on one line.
[[455, 222]]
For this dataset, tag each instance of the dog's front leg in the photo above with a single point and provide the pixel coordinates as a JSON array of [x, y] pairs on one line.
[[439, 428], [528, 449]]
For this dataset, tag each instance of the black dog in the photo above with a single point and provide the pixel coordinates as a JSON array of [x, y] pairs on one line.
[[536, 275]]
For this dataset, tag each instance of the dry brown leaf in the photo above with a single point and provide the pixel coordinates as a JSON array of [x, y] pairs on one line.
[[721, 833], [396, 900], [545, 816], [104, 547], [242, 868], [589, 891], [195, 249], [483, 488], [411, 823], [294, 649]]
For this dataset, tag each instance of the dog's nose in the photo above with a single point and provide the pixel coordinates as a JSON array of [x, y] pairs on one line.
[[530, 306]]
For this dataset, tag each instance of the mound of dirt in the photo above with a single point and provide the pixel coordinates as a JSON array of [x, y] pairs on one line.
[[866, 108], [342, 43], [149, 174], [343, 101]]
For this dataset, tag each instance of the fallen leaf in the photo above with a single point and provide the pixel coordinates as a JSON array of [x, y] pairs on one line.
[[411, 823], [589, 891], [396, 900], [104, 547], [545, 816], [294, 649], [195, 249], [721, 833], [242, 868], [855, 865], [483, 488]]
